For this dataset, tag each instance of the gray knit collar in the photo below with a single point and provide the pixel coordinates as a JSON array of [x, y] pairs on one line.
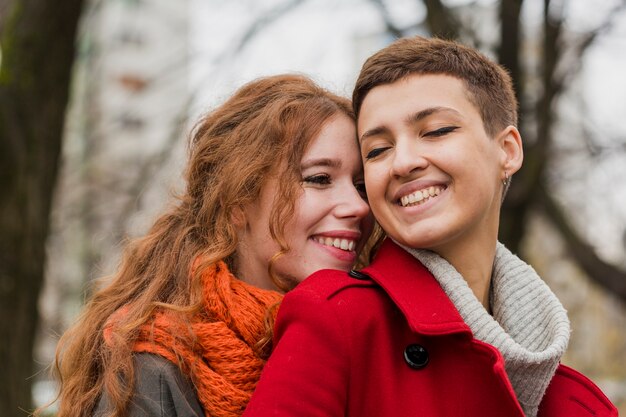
[[529, 325]]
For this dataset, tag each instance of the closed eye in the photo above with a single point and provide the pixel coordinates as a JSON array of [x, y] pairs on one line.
[[441, 131], [375, 152]]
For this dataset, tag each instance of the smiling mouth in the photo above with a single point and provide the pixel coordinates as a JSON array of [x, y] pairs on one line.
[[343, 244], [421, 196]]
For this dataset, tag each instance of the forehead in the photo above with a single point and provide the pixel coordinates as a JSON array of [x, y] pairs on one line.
[[390, 103], [336, 138]]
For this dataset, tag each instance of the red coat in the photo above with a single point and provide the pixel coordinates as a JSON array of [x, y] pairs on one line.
[[343, 345]]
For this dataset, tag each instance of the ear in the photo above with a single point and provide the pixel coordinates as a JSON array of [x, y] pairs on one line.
[[512, 151], [238, 218]]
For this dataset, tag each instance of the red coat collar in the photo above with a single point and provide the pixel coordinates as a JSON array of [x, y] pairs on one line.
[[415, 291]]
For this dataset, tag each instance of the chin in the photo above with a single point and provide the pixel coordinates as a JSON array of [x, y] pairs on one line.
[[417, 243]]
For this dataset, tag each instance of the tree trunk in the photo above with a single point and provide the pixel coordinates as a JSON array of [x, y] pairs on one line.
[[37, 40], [440, 21], [515, 209], [523, 193]]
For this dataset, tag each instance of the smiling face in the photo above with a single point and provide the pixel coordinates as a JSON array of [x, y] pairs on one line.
[[331, 219], [433, 175]]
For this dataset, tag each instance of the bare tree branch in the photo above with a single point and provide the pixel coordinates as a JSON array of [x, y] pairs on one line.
[[605, 27], [149, 168], [390, 26], [265, 21], [521, 194], [536, 152], [441, 22], [572, 67], [610, 145], [554, 83], [583, 254]]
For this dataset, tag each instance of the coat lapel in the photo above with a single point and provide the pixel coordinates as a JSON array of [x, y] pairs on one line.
[[415, 291]]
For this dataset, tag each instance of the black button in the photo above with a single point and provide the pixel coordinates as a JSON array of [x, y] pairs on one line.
[[358, 274], [416, 356]]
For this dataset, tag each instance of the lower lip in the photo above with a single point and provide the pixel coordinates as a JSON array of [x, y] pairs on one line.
[[349, 257]]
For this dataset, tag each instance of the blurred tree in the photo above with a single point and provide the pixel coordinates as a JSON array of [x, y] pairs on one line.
[[559, 62], [31, 115], [37, 41]]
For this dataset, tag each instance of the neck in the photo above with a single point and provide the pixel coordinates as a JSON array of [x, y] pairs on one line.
[[251, 271], [474, 262]]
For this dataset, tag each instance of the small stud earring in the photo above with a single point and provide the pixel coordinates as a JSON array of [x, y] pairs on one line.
[[507, 180]]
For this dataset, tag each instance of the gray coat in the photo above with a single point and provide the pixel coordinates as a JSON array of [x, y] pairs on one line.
[[161, 390]]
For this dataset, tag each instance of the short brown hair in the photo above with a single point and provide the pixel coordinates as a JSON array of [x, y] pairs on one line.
[[488, 84]]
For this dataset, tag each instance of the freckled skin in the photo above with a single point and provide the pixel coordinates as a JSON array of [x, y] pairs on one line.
[[329, 203]]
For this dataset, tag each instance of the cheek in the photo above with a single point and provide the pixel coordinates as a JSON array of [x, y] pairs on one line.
[[307, 210], [375, 185], [482, 168], [374, 177]]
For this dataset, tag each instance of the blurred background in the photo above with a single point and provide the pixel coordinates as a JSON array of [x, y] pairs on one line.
[[97, 98]]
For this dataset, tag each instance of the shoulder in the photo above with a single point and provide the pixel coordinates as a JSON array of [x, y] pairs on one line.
[[160, 389], [348, 298], [572, 394], [154, 373], [152, 365], [331, 288], [152, 369], [327, 283]]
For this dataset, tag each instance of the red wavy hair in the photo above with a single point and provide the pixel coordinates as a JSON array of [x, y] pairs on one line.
[[232, 150]]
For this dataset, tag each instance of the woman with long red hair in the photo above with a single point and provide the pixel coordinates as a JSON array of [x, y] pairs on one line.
[[274, 192]]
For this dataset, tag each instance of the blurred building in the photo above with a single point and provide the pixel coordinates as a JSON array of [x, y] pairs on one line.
[[123, 147]]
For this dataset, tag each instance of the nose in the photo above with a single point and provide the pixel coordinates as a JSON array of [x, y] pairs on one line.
[[351, 204], [407, 158]]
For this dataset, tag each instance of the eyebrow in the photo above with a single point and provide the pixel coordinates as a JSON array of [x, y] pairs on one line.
[[421, 115], [410, 119], [320, 162]]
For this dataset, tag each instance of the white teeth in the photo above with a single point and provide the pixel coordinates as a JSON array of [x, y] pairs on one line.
[[420, 196], [344, 244]]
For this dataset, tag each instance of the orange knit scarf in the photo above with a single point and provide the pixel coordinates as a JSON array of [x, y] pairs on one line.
[[222, 356]]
